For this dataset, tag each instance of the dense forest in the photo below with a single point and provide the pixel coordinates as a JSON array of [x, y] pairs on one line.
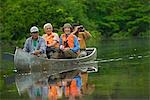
[[103, 18]]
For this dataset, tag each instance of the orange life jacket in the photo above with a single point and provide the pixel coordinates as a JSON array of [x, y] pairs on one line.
[[52, 91], [50, 39], [69, 40], [67, 91], [74, 91]]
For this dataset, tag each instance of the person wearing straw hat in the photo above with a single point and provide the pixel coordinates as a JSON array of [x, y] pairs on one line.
[[69, 44]]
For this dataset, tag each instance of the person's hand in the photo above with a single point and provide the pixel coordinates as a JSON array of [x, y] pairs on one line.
[[65, 49], [75, 29], [61, 47], [49, 45], [36, 52], [79, 39]]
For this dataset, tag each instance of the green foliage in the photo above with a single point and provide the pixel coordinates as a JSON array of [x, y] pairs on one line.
[[119, 16], [106, 18]]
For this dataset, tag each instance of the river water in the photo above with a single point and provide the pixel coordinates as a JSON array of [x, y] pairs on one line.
[[124, 71]]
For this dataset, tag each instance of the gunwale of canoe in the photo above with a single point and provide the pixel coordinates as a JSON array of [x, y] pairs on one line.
[[81, 59]]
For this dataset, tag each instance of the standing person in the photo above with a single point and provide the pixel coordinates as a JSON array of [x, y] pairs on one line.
[[51, 39], [69, 44], [35, 44], [82, 35]]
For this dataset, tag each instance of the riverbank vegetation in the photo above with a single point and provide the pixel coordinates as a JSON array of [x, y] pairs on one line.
[[103, 18]]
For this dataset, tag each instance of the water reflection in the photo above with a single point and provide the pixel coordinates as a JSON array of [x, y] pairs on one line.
[[64, 88], [119, 78]]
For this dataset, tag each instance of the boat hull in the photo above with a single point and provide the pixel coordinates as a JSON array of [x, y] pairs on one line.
[[26, 63], [31, 69]]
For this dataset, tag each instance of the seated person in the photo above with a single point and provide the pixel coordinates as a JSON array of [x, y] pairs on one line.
[[69, 44], [35, 44], [82, 35], [51, 39]]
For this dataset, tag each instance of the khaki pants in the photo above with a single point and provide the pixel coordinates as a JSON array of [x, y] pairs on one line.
[[84, 77], [83, 53], [42, 55], [70, 54], [65, 54], [50, 51]]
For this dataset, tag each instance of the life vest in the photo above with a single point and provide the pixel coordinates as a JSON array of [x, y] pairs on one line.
[[52, 91], [69, 40], [67, 90], [74, 91], [50, 39]]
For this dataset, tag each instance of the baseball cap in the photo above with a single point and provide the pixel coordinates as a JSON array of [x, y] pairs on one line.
[[34, 29]]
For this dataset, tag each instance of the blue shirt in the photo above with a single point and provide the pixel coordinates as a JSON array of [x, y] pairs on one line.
[[76, 44], [30, 47], [79, 81]]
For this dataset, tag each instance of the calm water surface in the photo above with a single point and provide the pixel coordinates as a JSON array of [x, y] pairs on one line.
[[124, 72], [124, 67]]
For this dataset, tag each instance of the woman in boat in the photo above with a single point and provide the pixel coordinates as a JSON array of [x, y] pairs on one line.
[[82, 36], [69, 44], [35, 44], [51, 39]]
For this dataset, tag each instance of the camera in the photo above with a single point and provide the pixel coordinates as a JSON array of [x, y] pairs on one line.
[[66, 43], [81, 28]]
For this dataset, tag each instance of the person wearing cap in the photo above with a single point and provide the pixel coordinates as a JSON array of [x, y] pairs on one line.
[[35, 44], [69, 44], [51, 39]]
